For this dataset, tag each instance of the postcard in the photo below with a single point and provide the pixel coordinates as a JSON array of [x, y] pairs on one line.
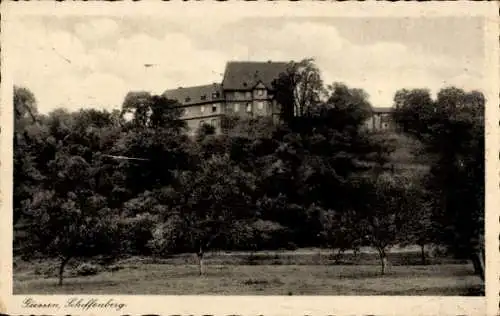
[[250, 158]]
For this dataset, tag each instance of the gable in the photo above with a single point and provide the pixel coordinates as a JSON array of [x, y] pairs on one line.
[[260, 85], [247, 75]]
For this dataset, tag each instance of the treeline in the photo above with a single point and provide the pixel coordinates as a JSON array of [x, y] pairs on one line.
[[131, 182]]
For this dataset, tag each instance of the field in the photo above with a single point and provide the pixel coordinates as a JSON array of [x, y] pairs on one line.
[[283, 273]]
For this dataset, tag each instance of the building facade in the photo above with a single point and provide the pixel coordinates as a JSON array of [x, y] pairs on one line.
[[200, 105], [246, 91], [381, 120]]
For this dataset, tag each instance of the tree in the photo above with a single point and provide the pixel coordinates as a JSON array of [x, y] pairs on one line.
[[26, 138], [24, 104], [154, 140], [419, 227], [299, 89], [204, 131], [383, 209], [68, 215], [68, 220], [210, 200], [451, 127], [339, 231], [145, 110]]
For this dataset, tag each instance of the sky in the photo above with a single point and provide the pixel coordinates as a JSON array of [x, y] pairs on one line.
[[93, 61]]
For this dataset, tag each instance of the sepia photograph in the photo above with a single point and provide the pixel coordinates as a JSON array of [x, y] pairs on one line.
[[247, 155]]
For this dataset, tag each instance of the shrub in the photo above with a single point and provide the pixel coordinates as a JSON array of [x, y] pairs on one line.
[[253, 281], [291, 246], [46, 271], [86, 269], [114, 267]]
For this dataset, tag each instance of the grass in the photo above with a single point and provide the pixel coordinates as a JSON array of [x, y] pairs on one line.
[[167, 278]]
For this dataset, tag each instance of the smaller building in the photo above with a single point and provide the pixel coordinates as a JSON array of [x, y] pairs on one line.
[[381, 119], [200, 104]]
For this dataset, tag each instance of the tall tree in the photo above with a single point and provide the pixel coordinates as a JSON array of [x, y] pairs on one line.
[[451, 127], [144, 110], [154, 142], [69, 215], [27, 137], [385, 205], [299, 89], [210, 201], [24, 104], [67, 219]]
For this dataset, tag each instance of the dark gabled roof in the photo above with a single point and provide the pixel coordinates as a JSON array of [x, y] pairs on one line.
[[382, 109], [196, 94], [245, 75]]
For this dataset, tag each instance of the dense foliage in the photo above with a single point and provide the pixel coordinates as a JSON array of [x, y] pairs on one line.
[[132, 182]]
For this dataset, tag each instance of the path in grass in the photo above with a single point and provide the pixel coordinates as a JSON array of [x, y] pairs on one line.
[[164, 279]]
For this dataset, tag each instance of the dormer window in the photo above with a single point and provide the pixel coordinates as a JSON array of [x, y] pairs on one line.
[[215, 95], [187, 99], [260, 92], [203, 97]]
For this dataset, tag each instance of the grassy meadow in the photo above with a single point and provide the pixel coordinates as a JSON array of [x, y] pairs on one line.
[[264, 273]]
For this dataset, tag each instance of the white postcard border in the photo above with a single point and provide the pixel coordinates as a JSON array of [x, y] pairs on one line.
[[265, 305]]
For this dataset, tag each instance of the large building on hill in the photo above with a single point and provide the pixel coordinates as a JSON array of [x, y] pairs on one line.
[[200, 104], [246, 91]]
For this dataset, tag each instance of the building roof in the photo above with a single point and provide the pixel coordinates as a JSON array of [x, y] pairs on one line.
[[196, 94], [382, 109], [245, 75]]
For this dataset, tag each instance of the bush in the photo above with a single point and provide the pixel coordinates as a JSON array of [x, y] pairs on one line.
[[291, 246], [46, 271], [114, 268], [86, 269]]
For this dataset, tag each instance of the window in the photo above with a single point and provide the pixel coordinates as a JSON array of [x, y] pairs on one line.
[[214, 108], [236, 107], [203, 97], [202, 108], [260, 92], [214, 123], [202, 122], [249, 107], [260, 105], [187, 99], [248, 95], [186, 111], [215, 95]]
